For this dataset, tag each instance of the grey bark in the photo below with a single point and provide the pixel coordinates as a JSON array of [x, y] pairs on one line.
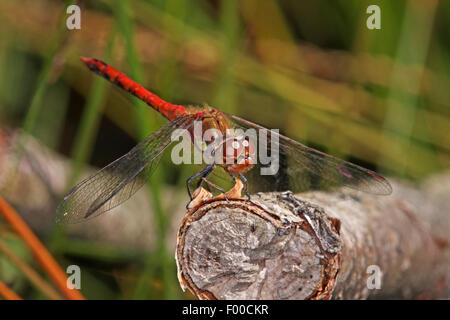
[[319, 245]]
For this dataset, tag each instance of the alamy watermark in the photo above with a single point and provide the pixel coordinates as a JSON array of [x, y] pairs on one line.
[[74, 20], [374, 20], [376, 276], [74, 278]]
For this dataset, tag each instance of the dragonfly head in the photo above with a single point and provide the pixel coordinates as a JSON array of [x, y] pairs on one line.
[[239, 154]]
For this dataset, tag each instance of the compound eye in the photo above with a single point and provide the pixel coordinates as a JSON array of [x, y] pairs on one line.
[[245, 143]]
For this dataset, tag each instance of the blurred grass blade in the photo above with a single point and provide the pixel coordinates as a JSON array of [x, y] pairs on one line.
[[413, 48], [145, 126], [56, 43], [90, 120], [30, 273], [225, 91]]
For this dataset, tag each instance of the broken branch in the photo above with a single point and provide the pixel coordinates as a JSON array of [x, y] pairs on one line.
[[316, 245]]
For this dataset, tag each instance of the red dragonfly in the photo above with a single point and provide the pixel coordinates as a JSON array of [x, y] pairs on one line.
[[119, 180]]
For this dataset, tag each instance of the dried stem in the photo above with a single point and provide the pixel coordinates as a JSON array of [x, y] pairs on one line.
[[7, 293], [40, 252]]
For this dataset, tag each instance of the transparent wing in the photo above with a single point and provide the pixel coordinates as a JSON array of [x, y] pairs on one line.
[[119, 180], [301, 168]]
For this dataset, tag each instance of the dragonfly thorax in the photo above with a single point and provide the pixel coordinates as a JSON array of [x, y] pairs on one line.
[[221, 144], [239, 154]]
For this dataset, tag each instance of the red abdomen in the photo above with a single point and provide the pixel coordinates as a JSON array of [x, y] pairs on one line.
[[168, 110]]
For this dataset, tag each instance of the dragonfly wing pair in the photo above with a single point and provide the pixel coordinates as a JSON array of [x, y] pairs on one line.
[[298, 168], [301, 168], [119, 180]]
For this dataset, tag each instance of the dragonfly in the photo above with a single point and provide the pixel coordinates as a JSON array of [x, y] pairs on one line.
[[235, 153]]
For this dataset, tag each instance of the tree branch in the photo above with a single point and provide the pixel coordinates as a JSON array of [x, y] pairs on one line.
[[316, 246]]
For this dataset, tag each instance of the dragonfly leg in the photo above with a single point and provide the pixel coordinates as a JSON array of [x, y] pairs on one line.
[[245, 181], [233, 177], [215, 186], [207, 185], [204, 173], [203, 178]]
